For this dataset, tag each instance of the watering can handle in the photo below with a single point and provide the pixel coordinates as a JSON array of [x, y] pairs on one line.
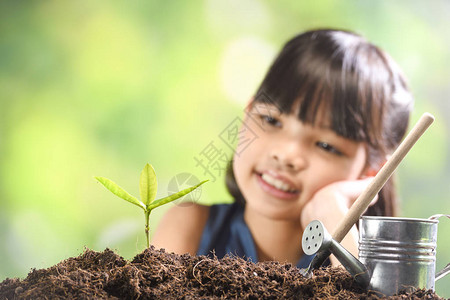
[[435, 217], [445, 271]]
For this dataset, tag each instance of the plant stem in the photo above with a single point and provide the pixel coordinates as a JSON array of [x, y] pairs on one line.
[[147, 227]]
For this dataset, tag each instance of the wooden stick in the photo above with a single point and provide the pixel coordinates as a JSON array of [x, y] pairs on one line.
[[363, 201]]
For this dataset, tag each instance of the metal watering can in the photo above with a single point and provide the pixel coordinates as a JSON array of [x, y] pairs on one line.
[[395, 254]]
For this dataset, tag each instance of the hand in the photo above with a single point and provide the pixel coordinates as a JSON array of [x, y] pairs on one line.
[[331, 203]]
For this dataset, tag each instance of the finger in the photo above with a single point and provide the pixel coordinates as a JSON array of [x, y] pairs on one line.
[[374, 200], [353, 188]]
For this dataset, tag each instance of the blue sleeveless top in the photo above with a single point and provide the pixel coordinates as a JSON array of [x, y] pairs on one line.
[[227, 233]]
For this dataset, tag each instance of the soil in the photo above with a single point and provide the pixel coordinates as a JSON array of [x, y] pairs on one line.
[[155, 274]]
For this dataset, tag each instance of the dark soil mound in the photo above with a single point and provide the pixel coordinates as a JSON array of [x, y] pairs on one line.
[[155, 274]]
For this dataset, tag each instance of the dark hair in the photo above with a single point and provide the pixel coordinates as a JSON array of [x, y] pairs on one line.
[[363, 90]]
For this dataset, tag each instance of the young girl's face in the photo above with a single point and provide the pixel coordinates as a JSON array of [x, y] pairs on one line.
[[289, 161]]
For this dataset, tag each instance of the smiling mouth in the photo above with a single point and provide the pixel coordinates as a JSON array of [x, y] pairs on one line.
[[278, 184]]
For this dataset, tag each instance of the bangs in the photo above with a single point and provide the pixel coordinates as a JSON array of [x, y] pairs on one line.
[[330, 84]]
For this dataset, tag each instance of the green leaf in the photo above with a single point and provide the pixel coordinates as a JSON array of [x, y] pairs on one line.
[[173, 197], [148, 184], [118, 191]]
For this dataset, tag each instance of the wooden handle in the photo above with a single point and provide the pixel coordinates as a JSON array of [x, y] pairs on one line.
[[363, 201]]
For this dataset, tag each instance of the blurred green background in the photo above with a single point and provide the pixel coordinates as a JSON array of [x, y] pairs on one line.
[[99, 88]]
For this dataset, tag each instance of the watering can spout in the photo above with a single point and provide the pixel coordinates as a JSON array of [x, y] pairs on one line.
[[316, 240]]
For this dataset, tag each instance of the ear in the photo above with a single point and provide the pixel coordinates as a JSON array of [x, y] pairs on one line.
[[249, 104], [371, 171]]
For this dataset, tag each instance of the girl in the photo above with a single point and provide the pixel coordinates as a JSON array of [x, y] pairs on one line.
[[330, 110]]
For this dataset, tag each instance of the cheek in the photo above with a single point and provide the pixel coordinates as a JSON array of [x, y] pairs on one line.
[[358, 164], [241, 166], [237, 166], [251, 145], [242, 169], [322, 179], [350, 168], [244, 160], [326, 174]]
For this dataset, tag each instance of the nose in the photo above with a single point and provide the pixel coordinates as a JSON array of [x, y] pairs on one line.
[[288, 157]]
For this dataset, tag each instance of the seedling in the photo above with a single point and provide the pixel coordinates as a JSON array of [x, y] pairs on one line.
[[147, 187]]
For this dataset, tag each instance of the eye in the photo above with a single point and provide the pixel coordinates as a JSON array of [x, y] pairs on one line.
[[269, 120], [329, 148]]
